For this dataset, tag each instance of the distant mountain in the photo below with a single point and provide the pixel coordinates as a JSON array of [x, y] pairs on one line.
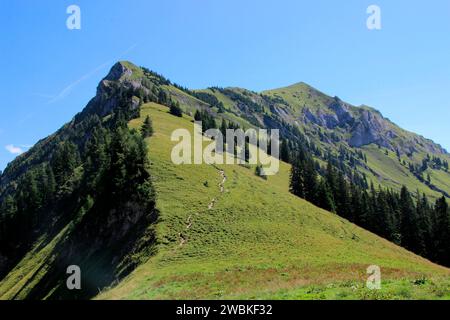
[[360, 125]]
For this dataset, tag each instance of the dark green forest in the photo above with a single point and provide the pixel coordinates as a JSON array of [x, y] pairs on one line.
[[403, 218]]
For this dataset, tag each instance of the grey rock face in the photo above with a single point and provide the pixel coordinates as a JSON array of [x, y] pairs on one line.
[[338, 114], [342, 111], [368, 128], [365, 126], [117, 72], [320, 118], [106, 100]]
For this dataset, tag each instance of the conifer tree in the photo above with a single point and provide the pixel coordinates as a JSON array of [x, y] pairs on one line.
[[355, 204], [342, 197], [424, 215], [147, 128], [365, 213], [163, 98], [247, 154], [441, 231], [411, 235], [223, 128], [64, 161], [285, 152], [310, 184], [296, 180], [197, 116], [175, 109], [331, 179], [383, 217], [325, 197]]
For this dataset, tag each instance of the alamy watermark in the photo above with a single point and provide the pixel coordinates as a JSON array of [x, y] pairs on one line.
[[374, 280], [74, 280], [237, 147], [374, 20], [73, 22]]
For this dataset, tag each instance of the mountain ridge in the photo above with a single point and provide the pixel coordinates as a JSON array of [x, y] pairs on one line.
[[341, 108]]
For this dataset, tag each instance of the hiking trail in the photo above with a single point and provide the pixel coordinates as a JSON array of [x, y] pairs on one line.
[[189, 222]]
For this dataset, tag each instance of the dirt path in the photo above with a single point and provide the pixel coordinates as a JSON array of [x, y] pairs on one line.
[[224, 179], [189, 222], [211, 204], [221, 187], [183, 239]]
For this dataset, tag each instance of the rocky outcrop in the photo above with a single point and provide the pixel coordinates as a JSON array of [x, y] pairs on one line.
[[338, 114], [109, 92], [118, 72], [369, 128], [321, 118], [362, 126], [342, 111]]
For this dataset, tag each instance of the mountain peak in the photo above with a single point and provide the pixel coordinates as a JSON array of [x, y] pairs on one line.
[[123, 74], [122, 69], [297, 86]]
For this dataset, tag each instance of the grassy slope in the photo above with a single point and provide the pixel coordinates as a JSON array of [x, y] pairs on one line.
[[391, 173], [258, 241], [439, 178], [190, 103], [18, 283], [31, 269]]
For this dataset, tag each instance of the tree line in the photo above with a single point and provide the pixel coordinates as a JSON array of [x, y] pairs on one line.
[[410, 221]]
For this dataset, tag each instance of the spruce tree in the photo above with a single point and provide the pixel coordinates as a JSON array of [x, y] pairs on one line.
[[223, 128], [64, 161], [331, 179], [147, 128], [383, 217], [310, 185], [366, 208], [424, 216], [411, 235], [296, 179], [197, 116], [175, 109], [163, 98], [355, 204], [285, 152], [247, 154], [441, 232], [325, 197], [342, 197]]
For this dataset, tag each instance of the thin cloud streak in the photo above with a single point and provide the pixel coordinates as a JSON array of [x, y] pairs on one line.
[[66, 91], [69, 88]]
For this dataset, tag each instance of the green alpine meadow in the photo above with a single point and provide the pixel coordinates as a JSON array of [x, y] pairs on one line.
[[358, 209]]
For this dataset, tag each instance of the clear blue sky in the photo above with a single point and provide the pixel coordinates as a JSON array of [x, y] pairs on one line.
[[49, 72]]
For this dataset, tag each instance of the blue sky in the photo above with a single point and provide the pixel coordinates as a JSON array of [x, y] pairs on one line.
[[49, 72]]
